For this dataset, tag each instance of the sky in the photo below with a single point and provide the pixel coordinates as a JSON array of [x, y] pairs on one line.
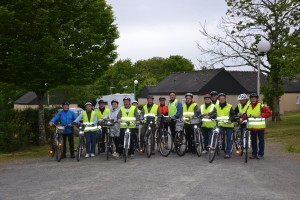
[[160, 28]]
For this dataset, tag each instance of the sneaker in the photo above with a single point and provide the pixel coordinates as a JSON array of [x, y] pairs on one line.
[[227, 156], [131, 156], [253, 157], [87, 155], [92, 155], [204, 151], [260, 157], [115, 154]]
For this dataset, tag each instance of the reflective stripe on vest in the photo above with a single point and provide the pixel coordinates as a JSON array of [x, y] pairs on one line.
[[152, 113], [172, 107], [85, 120], [254, 114], [127, 117], [223, 114], [243, 109], [188, 112], [207, 123]]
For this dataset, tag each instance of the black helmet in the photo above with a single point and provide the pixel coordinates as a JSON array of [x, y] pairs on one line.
[[162, 98], [253, 95], [189, 94], [126, 98], [222, 94], [65, 103], [207, 96], [114, 101], [101, 101], [213, 93], [150, 97]]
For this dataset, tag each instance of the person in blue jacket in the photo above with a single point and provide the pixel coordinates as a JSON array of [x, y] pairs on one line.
[[66, 117]]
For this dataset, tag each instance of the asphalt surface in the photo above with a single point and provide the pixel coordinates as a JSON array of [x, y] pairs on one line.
[[174, 177]]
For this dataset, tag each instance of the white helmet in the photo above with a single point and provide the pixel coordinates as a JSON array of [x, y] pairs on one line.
[[242, 97]]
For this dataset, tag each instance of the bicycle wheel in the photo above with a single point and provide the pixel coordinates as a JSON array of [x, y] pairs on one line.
[[212, 151], [108, 147], [59, 148], [198, 142], [181, 143], [126, 147], [52, 145], [79, 148], [99, 137], [148, 143], [246, 145], [238, 139], [165, 143]]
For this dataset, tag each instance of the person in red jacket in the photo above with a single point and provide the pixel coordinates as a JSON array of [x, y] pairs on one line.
[[163, 109], [257, 113]]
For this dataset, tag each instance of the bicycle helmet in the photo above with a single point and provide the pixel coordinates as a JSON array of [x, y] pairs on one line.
[[222, 94], [101, 101], [134, 101], [126, 98], [114, 101], [88, 103], [162, 98], [207, 96], [189, 94], [242, 97], [65, 103], [213, 93], [253, 95], [150, 97]]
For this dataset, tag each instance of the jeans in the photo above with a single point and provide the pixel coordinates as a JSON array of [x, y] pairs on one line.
[[206, 135], [261, 138], [91, 138], [71, 143]]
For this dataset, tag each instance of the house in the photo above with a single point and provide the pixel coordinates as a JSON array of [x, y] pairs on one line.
[[29, 100], [232, 83]]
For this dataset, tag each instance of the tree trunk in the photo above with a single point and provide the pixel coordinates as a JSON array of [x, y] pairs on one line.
[[275, 111], [42, 132]]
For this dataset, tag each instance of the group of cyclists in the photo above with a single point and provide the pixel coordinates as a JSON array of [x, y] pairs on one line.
[[215, 107]]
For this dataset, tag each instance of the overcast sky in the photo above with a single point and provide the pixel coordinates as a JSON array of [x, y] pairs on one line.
[[160, 28]]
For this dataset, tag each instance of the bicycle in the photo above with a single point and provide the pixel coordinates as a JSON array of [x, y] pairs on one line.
[[246, 141], [58, 142], [237, 135], [163, 138], [109, 141], [99, 138], [126, 138], [180, 142], [198, 136], [217, 142]]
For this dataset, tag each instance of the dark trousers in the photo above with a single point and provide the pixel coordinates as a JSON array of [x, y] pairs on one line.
[[104, 133], [261, 138], [91, 139], [189, 132], [206, 134], [71, 143], [172, 126], [120, 141]]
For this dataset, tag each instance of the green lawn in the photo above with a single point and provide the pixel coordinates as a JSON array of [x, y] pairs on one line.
[[287, 132]]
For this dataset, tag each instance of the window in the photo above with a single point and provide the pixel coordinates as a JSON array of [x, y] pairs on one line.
[[298, 100]]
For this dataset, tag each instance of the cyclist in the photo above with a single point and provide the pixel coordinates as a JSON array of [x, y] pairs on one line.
[[66, 117], [214, 97], [150, 109], [163, 109], [102, 112], [174, 111], [127, 113], [208, 110], [242, 106], [115, 129], [257, 109], [89, 116], [225, 112], [189, 109]]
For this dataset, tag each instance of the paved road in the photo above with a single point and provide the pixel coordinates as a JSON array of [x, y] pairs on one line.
[[188, 177]]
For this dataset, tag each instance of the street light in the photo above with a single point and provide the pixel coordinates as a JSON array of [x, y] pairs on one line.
[[263, 47], [135, 82], [110, 89]]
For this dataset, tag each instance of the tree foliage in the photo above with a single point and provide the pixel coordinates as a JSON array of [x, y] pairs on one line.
[[248, 21], [45, 44]]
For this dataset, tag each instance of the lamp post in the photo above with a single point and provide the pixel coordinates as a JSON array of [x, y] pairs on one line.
[[135, 82], [110, 89], [263, 47]]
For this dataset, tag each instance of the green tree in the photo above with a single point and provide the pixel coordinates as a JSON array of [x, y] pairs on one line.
[[246, 23], [45, 44]]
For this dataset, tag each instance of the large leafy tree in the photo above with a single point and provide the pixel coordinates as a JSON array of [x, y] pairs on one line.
[[246, 23], [48, 43]]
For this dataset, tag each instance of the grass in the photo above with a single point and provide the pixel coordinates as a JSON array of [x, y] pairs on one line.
[[286, 132]]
